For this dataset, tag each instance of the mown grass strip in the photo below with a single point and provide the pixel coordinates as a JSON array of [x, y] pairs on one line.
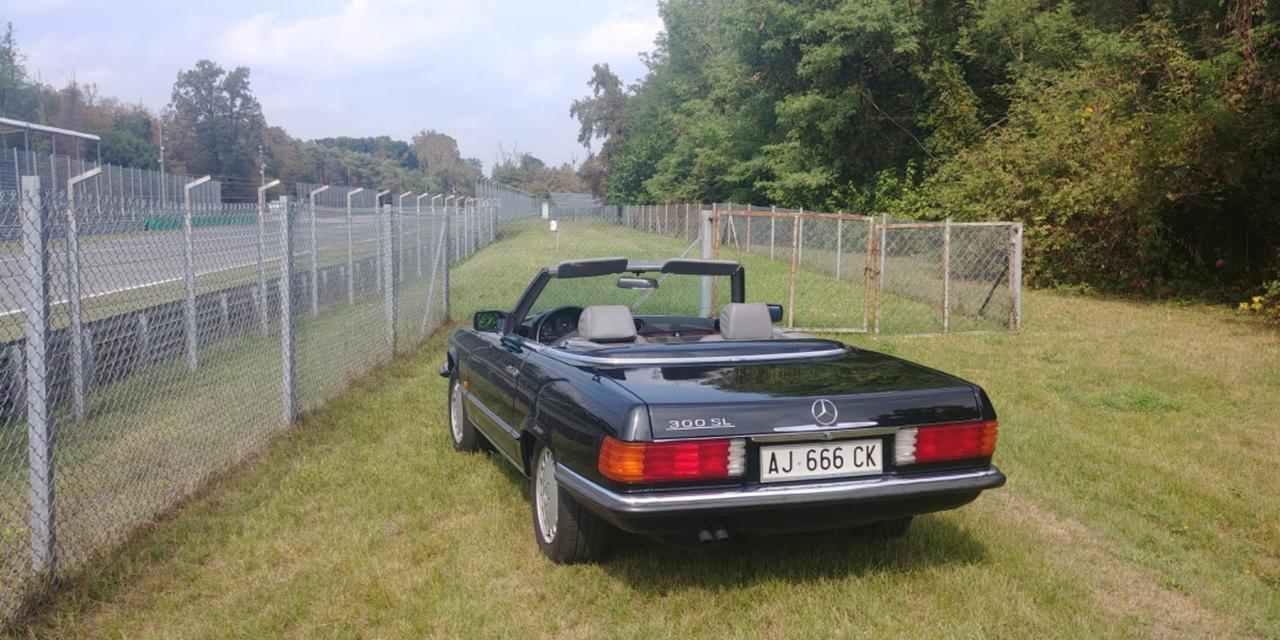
[[1138, 450]]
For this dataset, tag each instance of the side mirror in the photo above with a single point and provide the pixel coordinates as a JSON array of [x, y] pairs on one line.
[[491, 321], [775, 312]]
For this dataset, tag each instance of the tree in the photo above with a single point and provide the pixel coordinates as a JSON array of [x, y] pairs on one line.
[[378, 146], [602, 116], [16, 98], [215, 124], [591, 174], [526, 172], [124, 149], [1138, 141], [438, 155]]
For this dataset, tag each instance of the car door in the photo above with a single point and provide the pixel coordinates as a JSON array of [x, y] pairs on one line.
[[496, 367]]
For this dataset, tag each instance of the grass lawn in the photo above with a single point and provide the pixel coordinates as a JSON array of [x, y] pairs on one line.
[[1139, 439], [154, 435]]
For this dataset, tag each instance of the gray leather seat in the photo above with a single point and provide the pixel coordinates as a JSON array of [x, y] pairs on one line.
[[602, 326], [746, 321]]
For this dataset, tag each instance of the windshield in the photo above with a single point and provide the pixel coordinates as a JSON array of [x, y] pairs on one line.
[[676, 295]]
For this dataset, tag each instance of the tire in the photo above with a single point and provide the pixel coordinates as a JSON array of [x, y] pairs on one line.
[[566, 531], [461, 432]]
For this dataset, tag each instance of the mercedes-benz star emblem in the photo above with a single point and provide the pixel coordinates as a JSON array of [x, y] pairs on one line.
[[824, 412]]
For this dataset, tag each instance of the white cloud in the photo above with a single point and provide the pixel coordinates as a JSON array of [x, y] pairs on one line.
[[361, 35], [541, 69], [486, 71], [619, 38]]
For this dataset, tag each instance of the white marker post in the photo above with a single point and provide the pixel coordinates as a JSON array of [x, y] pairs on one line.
[[555, 231]]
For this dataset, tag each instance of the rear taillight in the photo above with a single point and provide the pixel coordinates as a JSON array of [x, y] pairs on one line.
[[671, 461], [941, 442]]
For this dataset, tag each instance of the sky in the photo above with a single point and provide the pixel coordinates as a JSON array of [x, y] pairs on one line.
[[488, 73]]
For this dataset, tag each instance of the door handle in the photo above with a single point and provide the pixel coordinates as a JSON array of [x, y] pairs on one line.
[[511, 371]]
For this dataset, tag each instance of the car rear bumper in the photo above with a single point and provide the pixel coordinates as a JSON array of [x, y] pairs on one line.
[[783, 508]]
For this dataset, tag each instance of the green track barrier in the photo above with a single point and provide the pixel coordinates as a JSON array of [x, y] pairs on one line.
[[169, 223]]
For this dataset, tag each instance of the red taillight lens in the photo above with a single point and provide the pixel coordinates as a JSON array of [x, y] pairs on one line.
[[668, 461], [945, 442]]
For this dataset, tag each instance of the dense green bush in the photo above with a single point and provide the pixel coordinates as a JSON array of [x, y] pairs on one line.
[[1139, 142]]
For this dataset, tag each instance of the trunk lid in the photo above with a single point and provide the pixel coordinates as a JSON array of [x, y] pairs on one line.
[[755, 398]]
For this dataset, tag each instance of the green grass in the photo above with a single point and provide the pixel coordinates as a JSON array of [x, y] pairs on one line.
[[152, 436], [1139, 440]]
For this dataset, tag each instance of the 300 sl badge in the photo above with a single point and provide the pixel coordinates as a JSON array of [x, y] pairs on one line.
[[688, 424]]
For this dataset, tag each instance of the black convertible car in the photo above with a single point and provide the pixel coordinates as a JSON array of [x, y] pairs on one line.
[[650, 396]]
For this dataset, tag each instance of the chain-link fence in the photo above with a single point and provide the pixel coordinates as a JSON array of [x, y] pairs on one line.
[[138, 360], [838, 272], [149, 198]]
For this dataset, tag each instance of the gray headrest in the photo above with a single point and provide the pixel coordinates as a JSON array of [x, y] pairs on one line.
[[607, 323], [746, 321]]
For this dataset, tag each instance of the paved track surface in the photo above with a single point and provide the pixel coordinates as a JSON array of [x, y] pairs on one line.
[[135, 261]]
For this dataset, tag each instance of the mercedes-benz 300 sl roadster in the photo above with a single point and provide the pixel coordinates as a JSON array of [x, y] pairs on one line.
[[651, 397]]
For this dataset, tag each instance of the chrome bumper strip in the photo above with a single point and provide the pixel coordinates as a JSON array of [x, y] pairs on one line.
[[881, 488]]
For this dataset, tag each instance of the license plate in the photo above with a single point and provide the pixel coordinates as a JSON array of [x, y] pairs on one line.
[[821, 460]]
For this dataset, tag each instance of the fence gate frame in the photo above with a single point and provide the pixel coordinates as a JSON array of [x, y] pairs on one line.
[[724, 232]]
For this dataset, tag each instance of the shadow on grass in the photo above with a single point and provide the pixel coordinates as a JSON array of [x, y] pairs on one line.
[[651, 566]]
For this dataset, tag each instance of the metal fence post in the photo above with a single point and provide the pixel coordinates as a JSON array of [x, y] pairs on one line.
[[1015, 278], [882, 250], [773, 220], [468, 227], [73, 294], [453, 233], [400, 213], [388, 277], [351, 265], [315, 270], [35, 253], [791, 277], [946, 275], [417, 231], [800, 241], [188, 258], [715, 236], [704, 308], [440, 261], [866, 273], [444, 220], [263, 323], [839, 245], [379, 240], [288, 392]]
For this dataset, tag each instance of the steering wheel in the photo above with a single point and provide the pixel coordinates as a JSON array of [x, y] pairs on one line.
[[557, 323]]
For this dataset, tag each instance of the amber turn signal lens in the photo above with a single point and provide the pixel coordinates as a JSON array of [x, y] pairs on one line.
[[671, 461]]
